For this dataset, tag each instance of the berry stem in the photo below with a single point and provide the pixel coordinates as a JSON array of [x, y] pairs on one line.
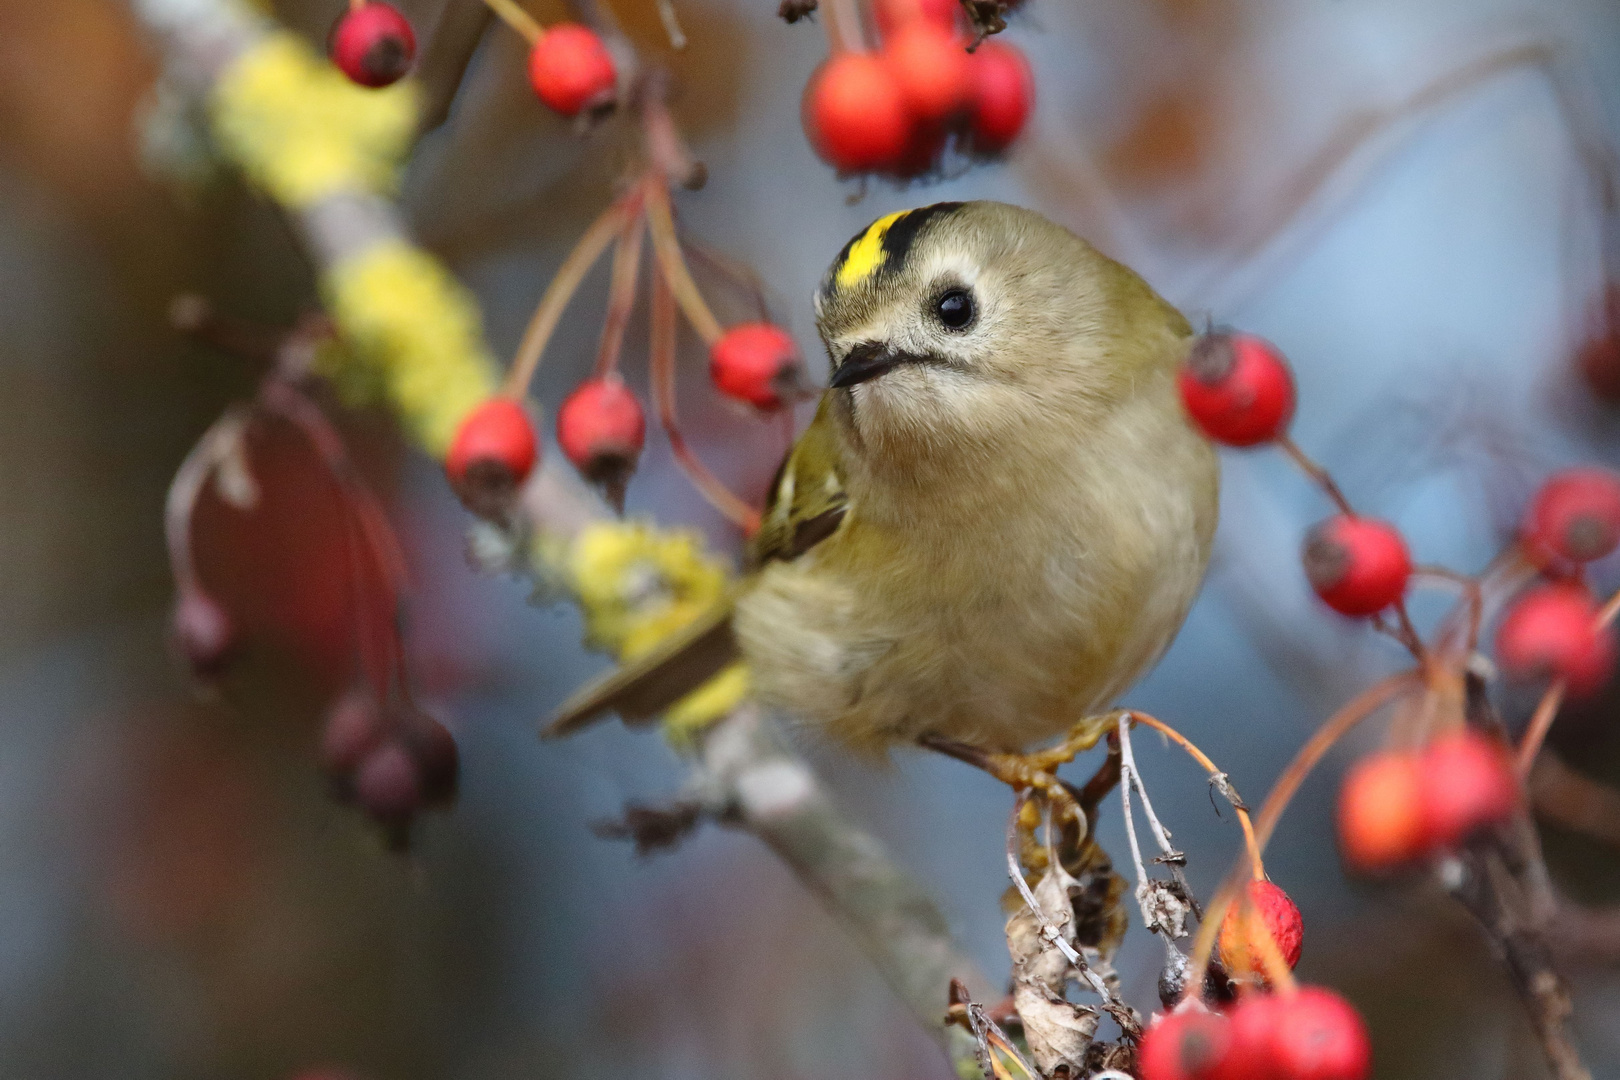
[[517, 19], [661, 223], [557, 295], [1357, 709], [356, 5], [622, 287], [220, 441], [662, 366], [1256, 865], [1610, 609], [1541, 722]]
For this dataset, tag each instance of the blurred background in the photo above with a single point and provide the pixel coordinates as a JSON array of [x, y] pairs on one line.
[[179, 898]]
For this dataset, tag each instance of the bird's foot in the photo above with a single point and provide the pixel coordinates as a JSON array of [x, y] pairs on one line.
[[1036, 770]]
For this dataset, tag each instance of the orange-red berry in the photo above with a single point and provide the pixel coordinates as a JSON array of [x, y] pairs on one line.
[[373, 45], [1002, 95], [855, 114], [932, 67], [1468, 784], [493, 452], [1575, 516], [757, 363], [1237, 388], [572, 70], [1552, 631], [1381, 818], [387, 783], [1190, 1045], [602, 428], [1268, 911], [1358, 566]]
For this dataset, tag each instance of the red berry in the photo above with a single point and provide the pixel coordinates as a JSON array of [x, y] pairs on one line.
[[855, 114], [492, 453], [1358, 566], [1237, 388], [1003, 94], [1268, 911], [1575, 516], [1598, 357], [387, 784], [202, 632], [922, 153], [892, 15], [433, 748], [932, 68], [602, 428], [1468, 784], [1381, 822], [1552, 631], [1190, 1045], [373, 45], [353, 728], [757, 363], [571, 70], [1312, 1035]]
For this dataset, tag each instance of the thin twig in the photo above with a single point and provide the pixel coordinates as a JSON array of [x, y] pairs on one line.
[[1541, 722], [1220, 779], [621, 291], [558, 293], [667, 245], [662, 371], [518, 19]]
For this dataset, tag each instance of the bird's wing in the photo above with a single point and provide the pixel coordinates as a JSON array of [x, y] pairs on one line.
[[807, 504], [807, 501], [643, 688]]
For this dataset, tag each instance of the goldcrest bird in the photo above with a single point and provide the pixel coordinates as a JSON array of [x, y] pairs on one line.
[[998, 518]]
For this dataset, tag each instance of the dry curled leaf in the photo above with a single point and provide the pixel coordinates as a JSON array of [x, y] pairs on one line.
[[1058, 1031]]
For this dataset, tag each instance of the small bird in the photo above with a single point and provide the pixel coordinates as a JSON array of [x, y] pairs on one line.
[[998, 518]]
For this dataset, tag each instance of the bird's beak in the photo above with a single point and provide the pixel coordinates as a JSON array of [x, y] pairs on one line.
[[865, 361]]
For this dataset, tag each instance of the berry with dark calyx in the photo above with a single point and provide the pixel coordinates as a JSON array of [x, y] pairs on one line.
[[492, 454], [202, 632], [855, 114], [1358, 566], [1380, 817], [932, 67], [572, 71], [1001, 96], [1268, 911], [434, 750], [1575, 516], [354, 727], [602, 428], [757, 363], [1468, 785], [922, 154], [1598, 358], [1552, 631], [373, 45], [388, 784], [1237, 388], [892, 15], [1312, 1035], [1187, 1045]]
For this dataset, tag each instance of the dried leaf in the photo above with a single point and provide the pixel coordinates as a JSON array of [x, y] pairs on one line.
[[1059, 1032]]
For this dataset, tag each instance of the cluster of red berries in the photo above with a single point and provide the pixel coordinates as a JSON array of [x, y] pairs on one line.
[[1398, 806], [1553, 629], [392, 760], [1311, 1034], [570, 67], [602, 427], [894, 111]]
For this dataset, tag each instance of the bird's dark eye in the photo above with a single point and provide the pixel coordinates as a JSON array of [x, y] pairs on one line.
[[955, 309]]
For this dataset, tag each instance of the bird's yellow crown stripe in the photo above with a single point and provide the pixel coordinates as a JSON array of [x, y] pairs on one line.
[[866, 255]]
